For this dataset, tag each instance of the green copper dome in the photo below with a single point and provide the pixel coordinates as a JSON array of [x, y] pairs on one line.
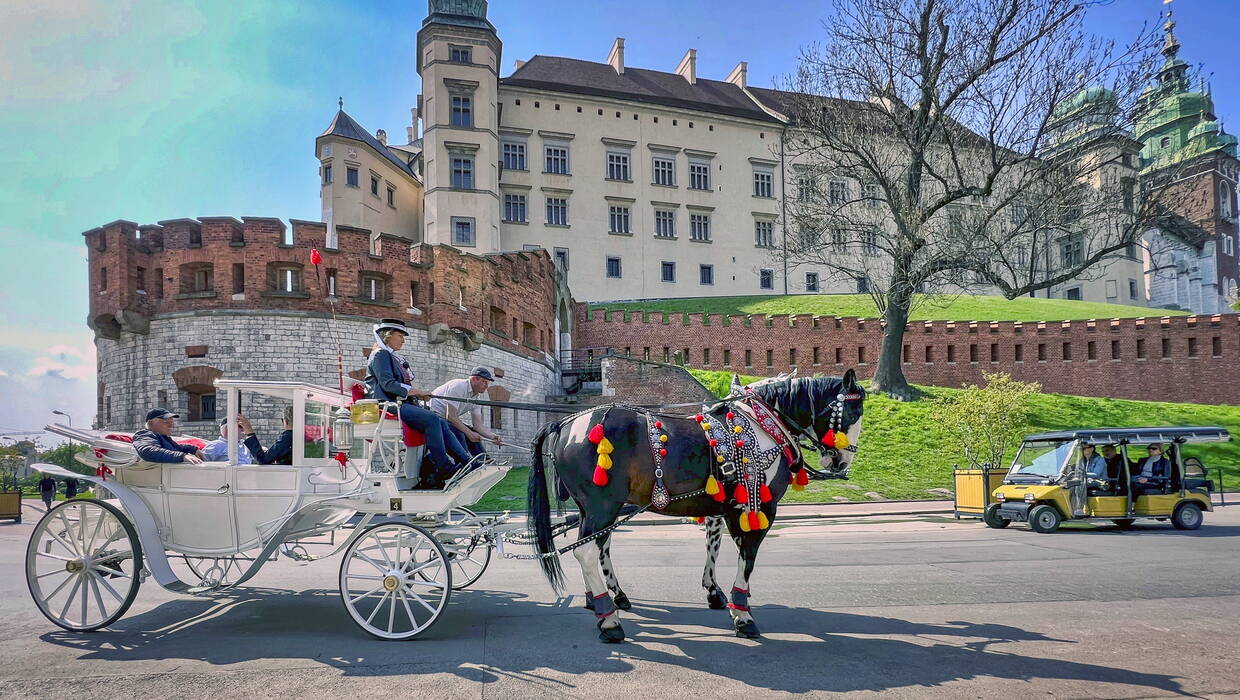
[[1206, 128], [462, 13]]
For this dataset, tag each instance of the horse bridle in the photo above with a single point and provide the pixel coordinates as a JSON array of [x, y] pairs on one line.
[[801, 432]]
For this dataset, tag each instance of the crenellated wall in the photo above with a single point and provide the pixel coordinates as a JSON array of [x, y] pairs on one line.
[[1177, 358]]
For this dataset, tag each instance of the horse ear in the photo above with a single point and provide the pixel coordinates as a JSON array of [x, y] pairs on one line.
[[736, 383], [850, 381]]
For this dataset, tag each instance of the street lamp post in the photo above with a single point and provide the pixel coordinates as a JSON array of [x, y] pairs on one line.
[[66, 415]]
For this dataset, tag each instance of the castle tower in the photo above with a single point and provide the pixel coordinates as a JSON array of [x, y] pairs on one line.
[[1188, 163], [458, 60]]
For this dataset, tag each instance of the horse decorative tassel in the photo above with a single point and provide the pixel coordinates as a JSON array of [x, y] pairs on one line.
[[603, 449]]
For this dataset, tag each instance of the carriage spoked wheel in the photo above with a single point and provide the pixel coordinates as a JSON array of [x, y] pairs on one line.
[[216, 571], [82, 564], [469, 557], [380, 584]]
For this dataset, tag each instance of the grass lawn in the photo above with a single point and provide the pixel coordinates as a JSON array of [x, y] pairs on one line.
[[903, 453], [926, 307]]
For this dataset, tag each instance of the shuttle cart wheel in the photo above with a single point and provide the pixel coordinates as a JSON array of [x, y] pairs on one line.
[[1044, 518], [82, 564], [1123, 523], [1187, 517], [469, 554], [381, 584], [991, 517]]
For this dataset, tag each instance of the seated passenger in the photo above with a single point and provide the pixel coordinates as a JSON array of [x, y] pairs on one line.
[[388, 378], [1094, 466], [217, 450], [471, 387], [1153, 473], [155, 444], [280, 452]]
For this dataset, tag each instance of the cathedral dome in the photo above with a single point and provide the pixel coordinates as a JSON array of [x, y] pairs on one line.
[[1206, 128]]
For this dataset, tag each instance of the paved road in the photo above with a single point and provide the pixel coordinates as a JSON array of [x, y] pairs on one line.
[[904, 606]]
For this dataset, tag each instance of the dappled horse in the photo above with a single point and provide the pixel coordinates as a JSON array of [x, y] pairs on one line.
[[734, 461]]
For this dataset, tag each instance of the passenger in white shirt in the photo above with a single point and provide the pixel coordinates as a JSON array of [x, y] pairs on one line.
[[471, 387]]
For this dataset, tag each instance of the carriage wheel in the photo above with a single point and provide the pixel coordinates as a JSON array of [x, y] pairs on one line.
[[469, 559], [380, 583], [82, 564]]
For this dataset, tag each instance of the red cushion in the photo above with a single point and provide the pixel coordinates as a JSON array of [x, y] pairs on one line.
[[358, 391], [123, 437], [189, 440], [412, 438]]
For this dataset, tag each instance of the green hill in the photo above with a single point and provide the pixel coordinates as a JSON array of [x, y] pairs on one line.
[[926, 307], [903, 452]]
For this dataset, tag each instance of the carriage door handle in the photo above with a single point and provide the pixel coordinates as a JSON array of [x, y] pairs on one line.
[[222, 489]]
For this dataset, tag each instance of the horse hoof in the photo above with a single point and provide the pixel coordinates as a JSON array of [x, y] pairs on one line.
[[611, 635], [748, 630], [716, 600], [622, 601]]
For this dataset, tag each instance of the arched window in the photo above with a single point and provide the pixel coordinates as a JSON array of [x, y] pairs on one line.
[[1224, 200]]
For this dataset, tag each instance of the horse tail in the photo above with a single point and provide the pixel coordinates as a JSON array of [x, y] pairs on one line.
[[538, 520]]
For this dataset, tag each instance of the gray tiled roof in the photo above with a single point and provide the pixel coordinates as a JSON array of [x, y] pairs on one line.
[[346, 127], [638, 84]]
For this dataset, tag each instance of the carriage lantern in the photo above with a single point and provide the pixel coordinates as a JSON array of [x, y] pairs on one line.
[[342, 430]]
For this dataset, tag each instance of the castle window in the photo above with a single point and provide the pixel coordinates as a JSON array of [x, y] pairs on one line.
[[514, 208], [1073, 294], [331, 283], [763, 182], [706, 275], [766, 279], [195, 238], [103, 279], [327, 174], [1132, 288], [811, 281], [140, 280], [288, 279], [350, 177], [1224, 200], [699, 227], [463, 231], [238, 278], [197, 278], [391, 198], [664, 171], [1072, 251], [869, 241], [618, 166], [838, 192], [514, 155], [462, 110], [1164, 142], [460, 54], [557, 211], [668, 271], [556, 159], [699, 175], [561, 258], [373, 286], [374, 185], [462, 173], [618, 219], [806, 189], [613, 267], [159, 283], [764, 234], [664, 223]]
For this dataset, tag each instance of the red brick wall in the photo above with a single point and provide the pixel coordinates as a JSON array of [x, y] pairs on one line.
[[1202, 362], [522, 285]]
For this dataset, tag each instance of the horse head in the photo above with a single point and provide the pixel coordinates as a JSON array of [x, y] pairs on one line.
[[812, 406]]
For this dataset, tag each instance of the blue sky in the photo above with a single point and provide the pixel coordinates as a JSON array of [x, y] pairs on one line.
[[157, 109]]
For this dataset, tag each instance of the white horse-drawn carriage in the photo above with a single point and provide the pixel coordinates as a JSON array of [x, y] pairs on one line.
[[203, 528]]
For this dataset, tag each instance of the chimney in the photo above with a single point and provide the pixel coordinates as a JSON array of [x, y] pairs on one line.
[[516, 65], [382, 136], [688, 67], [739, 75], [616, 57], [409, 134]]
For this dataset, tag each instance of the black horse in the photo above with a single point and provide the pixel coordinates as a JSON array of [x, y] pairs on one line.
[[635, 443]]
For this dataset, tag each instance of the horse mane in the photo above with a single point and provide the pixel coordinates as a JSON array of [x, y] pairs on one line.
[[803, 396]]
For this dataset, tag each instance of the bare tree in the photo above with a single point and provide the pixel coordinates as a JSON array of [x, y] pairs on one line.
[[962, 145]]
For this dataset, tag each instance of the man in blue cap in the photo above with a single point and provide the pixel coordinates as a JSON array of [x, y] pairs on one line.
[[155, 444], [472, 387]]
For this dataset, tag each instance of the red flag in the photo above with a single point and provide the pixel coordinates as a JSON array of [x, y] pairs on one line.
[[315, 258]]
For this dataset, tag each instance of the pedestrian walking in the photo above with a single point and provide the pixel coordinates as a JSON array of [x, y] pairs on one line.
[[47, 490]]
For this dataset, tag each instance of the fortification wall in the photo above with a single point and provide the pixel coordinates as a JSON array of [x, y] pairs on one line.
[[1178, 358], [183, 352]]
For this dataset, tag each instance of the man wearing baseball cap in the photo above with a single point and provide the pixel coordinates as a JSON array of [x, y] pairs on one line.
[[472, 387], [155, 444]]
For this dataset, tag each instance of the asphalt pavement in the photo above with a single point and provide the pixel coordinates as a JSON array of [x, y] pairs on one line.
[[898, 605]]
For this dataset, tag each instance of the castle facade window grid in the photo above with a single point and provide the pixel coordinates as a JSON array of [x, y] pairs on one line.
[[699, 175], [766, 279], [327, 174], [561, 258], [288, 279], [463, 231], [373, 287], [462, 110], [460, 54], [556, 159], [618, 218], [837, 192], [811, 281], [667, 271], [699, 227], [618, 166], [664, 223], [664, 171], [706, 274], [1072, 251], [763, 182], [869, 241], [351, 176], [515, 208], [613, 267], [462, 172], [374, 185], [391, 196], [764, 233], [514, 155], [557, 211]]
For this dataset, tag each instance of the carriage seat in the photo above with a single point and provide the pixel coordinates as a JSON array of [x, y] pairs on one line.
[[411, 437]]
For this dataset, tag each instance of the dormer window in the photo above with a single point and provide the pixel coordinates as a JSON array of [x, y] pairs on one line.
[[1164, 142], [460, 54]]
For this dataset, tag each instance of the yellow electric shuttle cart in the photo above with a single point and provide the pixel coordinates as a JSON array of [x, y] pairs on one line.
[[1050, 479]]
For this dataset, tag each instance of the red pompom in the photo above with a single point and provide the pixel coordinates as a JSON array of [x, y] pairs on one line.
[[802, 478], [754, 523], [699, 418], [662, 451], [315, 258], [713, 442], [741, 494], [596, 434], [792, 477], [740, 443], [829, 438], [342, 457], [764, 493], [731, 415], [658, 424], [700, 520], [600, 476], [719, 495]]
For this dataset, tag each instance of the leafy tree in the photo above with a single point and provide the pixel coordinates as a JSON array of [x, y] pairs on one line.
[[986, 422], [62, 455]]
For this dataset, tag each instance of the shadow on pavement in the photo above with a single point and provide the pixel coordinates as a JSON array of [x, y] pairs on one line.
[[489, 636]]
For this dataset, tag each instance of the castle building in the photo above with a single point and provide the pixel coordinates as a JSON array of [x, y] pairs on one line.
[[639, 183], [1189, 163]]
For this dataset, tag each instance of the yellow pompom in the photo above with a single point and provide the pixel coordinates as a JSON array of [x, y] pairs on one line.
[[738, 430], [797, 487], [706, 426], [745, 460], [712, 485], [841, 440], [662, 438], [604, 447], [604, 461], [744, 522], [719, 459], [763, 522]]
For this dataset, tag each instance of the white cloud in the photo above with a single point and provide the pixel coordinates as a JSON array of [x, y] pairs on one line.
[[68, 361], [3, 373]]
